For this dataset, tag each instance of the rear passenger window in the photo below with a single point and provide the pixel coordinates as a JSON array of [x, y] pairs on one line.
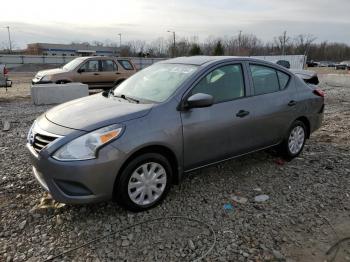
[[224, 83], [108, 66], [265, 79], [283, 79], [126, 64]]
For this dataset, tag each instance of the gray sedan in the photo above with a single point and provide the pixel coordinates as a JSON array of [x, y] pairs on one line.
[[136, 140]]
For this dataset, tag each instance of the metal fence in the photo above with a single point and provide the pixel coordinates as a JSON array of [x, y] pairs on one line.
[[17, 60], [296, 61]]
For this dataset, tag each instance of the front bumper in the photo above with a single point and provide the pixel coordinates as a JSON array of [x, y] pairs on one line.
[[78, 182]]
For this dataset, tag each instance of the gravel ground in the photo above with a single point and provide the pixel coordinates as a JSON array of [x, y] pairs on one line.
[[307, 210]]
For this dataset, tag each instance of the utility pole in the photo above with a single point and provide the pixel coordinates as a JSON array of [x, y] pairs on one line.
[[120, 40], [9, 35], [239, 41], [284, 42], [174, 46]]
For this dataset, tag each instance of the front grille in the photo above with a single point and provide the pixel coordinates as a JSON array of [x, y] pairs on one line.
[[41, 141]]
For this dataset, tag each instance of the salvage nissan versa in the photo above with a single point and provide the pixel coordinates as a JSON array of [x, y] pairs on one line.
[[133, 142]]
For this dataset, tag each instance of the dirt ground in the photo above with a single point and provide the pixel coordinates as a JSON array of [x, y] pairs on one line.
[[307, 212], [327, 70], [20, 87]]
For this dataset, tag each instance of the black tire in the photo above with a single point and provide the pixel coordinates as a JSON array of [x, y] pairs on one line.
[[284, 148], [62, 81], [121, 188]]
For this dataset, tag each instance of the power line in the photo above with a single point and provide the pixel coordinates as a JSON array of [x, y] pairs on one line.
[[120, 40], [174, 38]]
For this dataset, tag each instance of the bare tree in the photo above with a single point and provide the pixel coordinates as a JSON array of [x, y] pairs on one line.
[[160, 47], [282, 42], [303, 43]]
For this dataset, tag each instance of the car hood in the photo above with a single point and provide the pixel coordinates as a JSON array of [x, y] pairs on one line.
[[51, 72], [92, 112]]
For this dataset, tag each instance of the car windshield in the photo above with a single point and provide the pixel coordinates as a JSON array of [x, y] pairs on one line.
[[73, 64], [155, 83]]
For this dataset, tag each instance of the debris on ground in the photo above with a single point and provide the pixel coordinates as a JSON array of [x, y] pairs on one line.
[[280, 161], [239, 199], [228, 207], [261, 198], [6, 125], [191, 244], [59, 220], [22, 224]]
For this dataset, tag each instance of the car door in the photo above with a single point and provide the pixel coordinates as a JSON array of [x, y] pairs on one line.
[[275, 100], [89, 73], [224, 129], [109, 72]]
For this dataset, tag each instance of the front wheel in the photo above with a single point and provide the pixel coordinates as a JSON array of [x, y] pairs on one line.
[[294, 142], [61, 82], [144, 182]]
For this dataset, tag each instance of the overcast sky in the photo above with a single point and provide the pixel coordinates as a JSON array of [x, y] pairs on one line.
[[65, 21]]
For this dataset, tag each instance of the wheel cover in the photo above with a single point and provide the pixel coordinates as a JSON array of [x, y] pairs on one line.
[[147, 183], [296, 139]]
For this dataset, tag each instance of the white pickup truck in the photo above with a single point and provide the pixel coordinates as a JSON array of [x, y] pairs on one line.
[[4, 81]]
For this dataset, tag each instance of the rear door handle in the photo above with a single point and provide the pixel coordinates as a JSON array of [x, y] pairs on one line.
[[242, 113], [292, 103], [118, 73], [96, 74]]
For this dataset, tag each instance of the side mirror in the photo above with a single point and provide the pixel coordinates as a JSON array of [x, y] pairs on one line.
[[81, 70], [199, 100]]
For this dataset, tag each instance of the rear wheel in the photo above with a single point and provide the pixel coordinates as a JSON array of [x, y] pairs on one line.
[[294, 142], [144, 182]]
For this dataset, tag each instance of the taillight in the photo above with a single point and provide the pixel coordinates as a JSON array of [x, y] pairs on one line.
[[5, 71], [319, 92]]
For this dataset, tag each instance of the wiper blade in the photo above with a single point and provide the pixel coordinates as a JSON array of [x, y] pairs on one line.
[[127, 98]]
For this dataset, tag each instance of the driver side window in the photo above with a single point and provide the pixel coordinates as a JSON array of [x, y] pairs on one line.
[[224, 83]]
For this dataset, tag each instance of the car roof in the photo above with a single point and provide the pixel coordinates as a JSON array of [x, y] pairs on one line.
[[201, 60], [196, 60], [96, 57]]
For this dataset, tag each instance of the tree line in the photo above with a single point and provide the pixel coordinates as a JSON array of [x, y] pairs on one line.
[[241, 45]]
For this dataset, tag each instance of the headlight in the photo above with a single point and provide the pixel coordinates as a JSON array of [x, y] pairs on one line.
[[45, 78], [86, 146], [30, 136]]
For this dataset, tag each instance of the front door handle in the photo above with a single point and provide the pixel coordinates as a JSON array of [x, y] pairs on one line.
[[242, 113], [292, 103], [96, 74], [118, 73]]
